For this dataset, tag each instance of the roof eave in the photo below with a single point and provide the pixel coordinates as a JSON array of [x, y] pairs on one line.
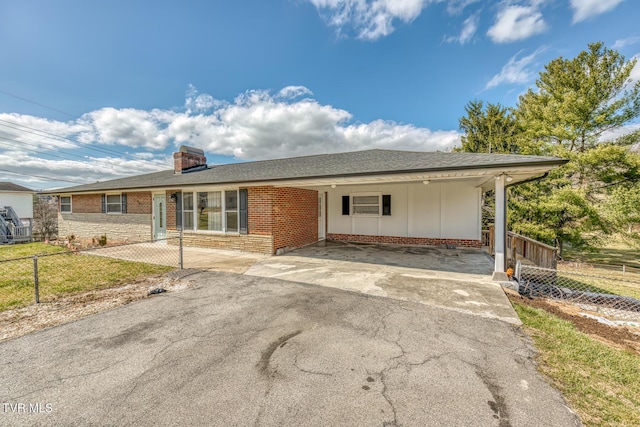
[[550, 164]]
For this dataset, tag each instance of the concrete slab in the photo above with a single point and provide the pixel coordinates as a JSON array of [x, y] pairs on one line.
[[193, 257], [220, 260], [239, 350], [456, 279]]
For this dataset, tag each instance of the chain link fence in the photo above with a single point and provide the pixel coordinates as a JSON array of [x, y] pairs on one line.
[[626, 272], [611, 297], [58, 272]]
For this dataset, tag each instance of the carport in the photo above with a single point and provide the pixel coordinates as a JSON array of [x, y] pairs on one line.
[[453, 278], [441, 276]]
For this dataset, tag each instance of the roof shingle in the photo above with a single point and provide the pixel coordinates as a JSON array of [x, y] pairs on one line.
[[10, 186], [357, 163]]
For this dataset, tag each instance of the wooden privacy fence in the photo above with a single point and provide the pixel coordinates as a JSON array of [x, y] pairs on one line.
[[521, 247]]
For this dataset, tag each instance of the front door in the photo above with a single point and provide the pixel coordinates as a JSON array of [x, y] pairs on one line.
[[321, 221], [159, 216]]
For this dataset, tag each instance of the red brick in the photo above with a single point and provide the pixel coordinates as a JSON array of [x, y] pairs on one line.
[[426, 241]]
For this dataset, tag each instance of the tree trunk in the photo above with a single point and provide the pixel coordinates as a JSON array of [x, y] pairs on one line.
[[560, 245]]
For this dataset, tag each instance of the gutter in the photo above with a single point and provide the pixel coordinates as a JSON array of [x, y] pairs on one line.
[[535, 178]]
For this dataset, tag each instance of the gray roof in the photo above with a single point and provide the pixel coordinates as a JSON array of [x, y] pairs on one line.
[[356, 163], [10, 186]]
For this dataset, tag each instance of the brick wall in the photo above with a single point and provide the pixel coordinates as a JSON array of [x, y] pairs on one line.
[[295, 217], [137, 203], [117, 227], [404, 240], [260, 210], [171, 210], [86, 203]]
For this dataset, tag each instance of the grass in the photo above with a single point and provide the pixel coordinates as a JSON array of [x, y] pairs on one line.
[[614, 254], [600, 285], [605, 262], [601, 383], [27, 249], [62, 274]]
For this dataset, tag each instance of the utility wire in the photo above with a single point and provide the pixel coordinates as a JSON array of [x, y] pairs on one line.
[[43, 177], [33, 150], [37, 103], [59, 137]]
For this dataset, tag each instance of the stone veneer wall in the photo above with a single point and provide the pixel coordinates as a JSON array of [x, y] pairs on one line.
[[426, 241], [238, 242], [117, 227]]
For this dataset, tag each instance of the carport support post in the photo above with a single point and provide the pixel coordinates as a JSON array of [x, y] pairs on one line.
[[500, 230]]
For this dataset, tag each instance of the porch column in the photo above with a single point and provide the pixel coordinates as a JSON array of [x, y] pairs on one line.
[[500, 230]]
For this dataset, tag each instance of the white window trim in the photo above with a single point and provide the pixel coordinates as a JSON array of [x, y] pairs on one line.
[[70, 205], [352, 205], [106, 203], [223, 211]]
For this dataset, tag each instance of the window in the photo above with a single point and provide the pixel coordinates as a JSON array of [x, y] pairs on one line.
[[366, 205], [231, 210], [65, 204], [187, 211], [114, 203], [211, 211]]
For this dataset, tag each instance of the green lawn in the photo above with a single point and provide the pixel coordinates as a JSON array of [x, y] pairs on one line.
[[601, 383], [27, 249], [615, 254], [61, 274]]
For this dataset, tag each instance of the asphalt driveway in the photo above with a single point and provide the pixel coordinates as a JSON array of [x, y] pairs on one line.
[[242, 350]]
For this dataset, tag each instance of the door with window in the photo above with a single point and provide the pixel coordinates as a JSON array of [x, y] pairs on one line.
[[159, 217], [321, 217]]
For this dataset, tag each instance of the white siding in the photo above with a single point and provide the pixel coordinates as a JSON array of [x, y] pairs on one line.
[[20, 202], [438, 210]]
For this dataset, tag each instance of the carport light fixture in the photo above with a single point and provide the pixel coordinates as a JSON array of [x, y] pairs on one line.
[[333, 186], [426, 182], [508, 178]]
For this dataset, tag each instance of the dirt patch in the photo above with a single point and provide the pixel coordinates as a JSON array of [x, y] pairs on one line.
[[624, 337], [22, 321]]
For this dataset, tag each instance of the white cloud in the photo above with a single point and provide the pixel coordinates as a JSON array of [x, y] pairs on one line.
[[469, 28], [369, 19], [196, 103], [584, 9], [455, 7], [291, 92], [258, 124], [635, 72], [611, 135], [515, 22], [629, 41], [516, 71], [128, 127]]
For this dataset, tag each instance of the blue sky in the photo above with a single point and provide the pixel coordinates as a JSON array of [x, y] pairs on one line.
[[99, 90]]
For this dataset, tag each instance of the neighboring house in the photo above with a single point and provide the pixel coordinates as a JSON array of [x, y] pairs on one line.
[[272, 206], [16, 212]]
